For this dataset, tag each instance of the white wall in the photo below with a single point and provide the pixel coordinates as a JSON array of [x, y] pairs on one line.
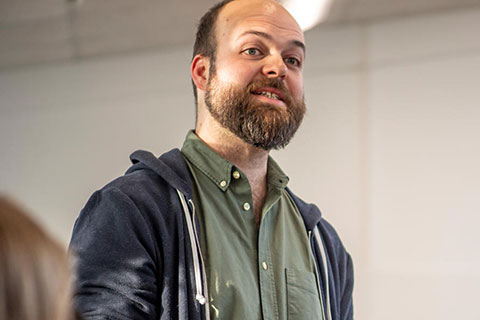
[[389, 149], [424, 176], [68, 129]]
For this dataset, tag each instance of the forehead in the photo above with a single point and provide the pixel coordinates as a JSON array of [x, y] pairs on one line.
[[266, 16]]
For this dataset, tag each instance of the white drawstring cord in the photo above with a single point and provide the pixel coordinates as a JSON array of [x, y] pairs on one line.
[[325, 268]]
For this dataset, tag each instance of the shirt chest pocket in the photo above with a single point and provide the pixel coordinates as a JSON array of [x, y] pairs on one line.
[[303, 300]]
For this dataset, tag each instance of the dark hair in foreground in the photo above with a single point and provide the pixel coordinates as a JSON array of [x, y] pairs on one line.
[[205, 40], [34, 270]]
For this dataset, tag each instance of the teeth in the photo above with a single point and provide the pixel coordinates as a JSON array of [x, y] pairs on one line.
[[269, 95]]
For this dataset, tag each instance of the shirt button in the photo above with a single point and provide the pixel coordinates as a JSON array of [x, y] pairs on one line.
[[246, 206], [236, 175], [264, 265], [223, 183]]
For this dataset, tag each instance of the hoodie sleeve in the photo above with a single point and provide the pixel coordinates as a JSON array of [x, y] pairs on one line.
[[115, 260]]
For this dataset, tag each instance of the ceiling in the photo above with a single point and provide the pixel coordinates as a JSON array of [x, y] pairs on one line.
[[40, 31]]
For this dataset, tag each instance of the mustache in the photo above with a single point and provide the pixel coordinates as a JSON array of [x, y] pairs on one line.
[[272, 83]]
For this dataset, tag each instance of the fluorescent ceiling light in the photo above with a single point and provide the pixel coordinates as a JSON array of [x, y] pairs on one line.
[[308, 13]]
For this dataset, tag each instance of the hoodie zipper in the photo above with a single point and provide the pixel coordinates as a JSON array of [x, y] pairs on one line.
[[200, 296], [316, 273], [327, 311], [205, 286]]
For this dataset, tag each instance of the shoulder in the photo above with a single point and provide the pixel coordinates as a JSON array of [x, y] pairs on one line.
[[126, 193], [139, 206], [142, 183], [140, 198], [151, 178]]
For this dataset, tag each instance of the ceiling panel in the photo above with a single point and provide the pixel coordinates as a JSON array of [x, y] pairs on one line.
[[35, 31], [17, 11], [359, 10], [124, 25], [36, 42]]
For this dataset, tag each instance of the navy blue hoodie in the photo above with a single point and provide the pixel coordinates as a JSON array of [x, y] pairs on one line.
[[136, 256]]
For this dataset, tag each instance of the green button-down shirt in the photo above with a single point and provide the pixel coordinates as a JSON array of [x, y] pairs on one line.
[[252, 273]]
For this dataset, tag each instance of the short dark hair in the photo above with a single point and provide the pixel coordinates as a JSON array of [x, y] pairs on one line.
[[205, 40]]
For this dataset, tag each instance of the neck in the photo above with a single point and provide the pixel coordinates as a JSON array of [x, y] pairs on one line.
[[252, 161]]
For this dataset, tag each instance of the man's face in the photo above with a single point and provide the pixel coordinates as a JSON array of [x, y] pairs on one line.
[[256, 89]]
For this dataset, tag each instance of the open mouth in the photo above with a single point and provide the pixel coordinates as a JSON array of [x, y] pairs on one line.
[[268, 94]]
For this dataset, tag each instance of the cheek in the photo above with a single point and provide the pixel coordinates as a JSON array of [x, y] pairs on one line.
[[235, 74], [236, 71], [296, 88]]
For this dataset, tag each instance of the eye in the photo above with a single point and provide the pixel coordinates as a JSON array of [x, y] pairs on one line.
[[252, 52], [293, 61]]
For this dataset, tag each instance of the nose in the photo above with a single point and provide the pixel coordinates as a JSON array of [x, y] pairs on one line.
[[275, 67]]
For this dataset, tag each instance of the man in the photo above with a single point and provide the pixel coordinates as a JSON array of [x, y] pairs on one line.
[[212, 232]]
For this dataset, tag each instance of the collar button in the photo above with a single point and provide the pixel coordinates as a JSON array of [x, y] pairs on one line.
[[236, 175]]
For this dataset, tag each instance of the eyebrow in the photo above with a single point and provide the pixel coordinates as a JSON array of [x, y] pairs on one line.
[[296, 43]]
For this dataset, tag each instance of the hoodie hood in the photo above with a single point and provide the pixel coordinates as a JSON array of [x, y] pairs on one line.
[[171, 167], [310, 212]]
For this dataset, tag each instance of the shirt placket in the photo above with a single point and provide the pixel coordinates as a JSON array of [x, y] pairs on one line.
[[266, 273]]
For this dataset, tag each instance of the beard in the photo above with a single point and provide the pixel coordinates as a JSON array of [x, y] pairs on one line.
[[260, 124]]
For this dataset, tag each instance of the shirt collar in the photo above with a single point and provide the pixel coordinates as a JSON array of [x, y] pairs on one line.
[[218, 169], [275, 176]]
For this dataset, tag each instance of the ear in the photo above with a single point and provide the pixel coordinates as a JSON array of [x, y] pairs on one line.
[[199, 71]]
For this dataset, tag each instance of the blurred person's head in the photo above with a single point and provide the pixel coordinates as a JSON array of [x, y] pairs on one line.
[[34, 270]]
